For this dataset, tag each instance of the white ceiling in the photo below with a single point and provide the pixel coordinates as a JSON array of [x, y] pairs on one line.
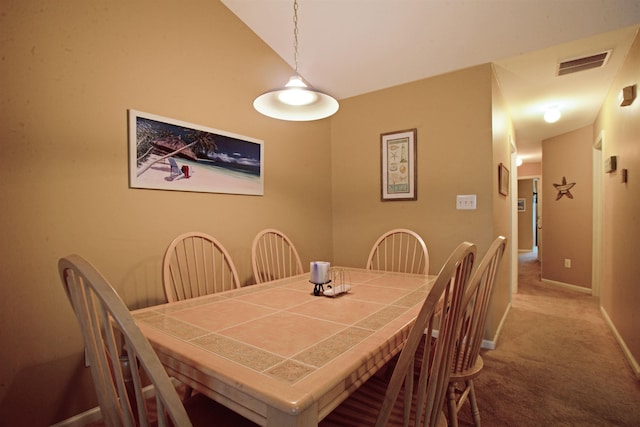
[[352, 47]]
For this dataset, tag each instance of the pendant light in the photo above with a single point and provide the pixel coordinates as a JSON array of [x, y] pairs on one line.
[[296, 101]]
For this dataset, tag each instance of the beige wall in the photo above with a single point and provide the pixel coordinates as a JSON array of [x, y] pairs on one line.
[[530, 169], [69, 73], [525, 218], [70, 70], [566, 233], [619, 292], [502, 135], [458, 150], [453, 154]]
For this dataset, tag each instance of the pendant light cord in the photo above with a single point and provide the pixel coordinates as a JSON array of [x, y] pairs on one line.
[[295, 34]]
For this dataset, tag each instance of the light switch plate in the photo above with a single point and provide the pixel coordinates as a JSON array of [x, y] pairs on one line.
[[466, 201]]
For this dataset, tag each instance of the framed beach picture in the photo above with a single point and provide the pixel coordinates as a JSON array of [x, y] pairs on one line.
[[398, 165], [168, 154]]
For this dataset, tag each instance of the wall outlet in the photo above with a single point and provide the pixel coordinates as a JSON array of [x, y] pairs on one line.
[[465, 201], [567, 263]]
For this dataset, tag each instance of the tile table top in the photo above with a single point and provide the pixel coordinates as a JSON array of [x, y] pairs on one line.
[[279, 344]]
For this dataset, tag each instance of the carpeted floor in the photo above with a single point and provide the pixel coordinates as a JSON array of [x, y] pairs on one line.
[[556, 363]]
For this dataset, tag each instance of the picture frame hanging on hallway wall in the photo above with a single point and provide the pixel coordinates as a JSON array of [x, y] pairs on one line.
[[169, 154], [503, 180], [522, 205], [398, 174]]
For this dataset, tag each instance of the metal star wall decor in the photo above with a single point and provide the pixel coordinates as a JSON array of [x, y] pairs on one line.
[[563, 189]]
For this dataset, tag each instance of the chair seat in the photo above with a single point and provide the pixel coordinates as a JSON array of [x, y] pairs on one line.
[[468, 374], [362, 407]]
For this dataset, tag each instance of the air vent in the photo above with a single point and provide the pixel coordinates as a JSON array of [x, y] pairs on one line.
[[584, 63]]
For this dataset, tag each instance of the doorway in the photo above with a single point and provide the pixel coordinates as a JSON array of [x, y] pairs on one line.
[[537, 220], [529, 215]]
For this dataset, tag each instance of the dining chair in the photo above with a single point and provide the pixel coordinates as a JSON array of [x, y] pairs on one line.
[[274, 256], [196, 264], [467, 362], [400, 399], [400, 250], [122, 360]]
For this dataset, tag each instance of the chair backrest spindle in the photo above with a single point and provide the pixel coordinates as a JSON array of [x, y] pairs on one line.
[[197, 264], [477, 306], [273, 256], [467, 362], [400, 250]]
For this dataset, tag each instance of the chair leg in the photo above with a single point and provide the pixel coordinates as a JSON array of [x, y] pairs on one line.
[[453, 406], [474, 404], [127, 375]]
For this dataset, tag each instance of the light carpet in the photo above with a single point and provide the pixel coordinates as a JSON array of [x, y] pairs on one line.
[[556, 363]]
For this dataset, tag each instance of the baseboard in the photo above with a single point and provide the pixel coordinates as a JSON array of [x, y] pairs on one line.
[[567, 286], [491, 344], [80, 420], [488, 344], [635, 366]]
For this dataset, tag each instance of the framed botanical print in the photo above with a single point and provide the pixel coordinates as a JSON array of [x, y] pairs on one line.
[[398, 173]]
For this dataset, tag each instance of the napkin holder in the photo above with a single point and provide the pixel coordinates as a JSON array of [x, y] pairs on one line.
[[340, 283]]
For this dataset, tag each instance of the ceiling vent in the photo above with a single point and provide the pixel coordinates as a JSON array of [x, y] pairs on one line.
[[584, 63]]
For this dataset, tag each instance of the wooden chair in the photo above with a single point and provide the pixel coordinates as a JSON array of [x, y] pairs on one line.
[[107, 328], [273, 256], [196, 264], [403, 398], [399, 250], [467, 362]]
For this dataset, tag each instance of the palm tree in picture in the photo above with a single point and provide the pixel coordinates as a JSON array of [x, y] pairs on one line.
[[200, 142]]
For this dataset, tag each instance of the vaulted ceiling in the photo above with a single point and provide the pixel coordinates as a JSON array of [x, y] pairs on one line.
[[352, 47]]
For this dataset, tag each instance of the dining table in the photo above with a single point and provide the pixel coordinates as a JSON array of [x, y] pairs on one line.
[[277, 353]]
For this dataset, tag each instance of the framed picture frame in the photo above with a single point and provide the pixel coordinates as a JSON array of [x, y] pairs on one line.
[[169, 154], [503, 180], [398, 173], [522, 205]]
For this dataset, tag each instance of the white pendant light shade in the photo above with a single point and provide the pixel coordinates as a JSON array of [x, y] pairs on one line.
[[296, 102]]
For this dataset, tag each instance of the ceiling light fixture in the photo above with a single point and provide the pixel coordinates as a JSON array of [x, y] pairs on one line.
[[518, 161], [552, 115], [296, 101]]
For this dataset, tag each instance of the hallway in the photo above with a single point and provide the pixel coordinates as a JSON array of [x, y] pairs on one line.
[[556, 363]]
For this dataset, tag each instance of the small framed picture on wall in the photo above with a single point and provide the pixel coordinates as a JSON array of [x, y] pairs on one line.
[[522, 205], [398, 165], [503, 180]]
